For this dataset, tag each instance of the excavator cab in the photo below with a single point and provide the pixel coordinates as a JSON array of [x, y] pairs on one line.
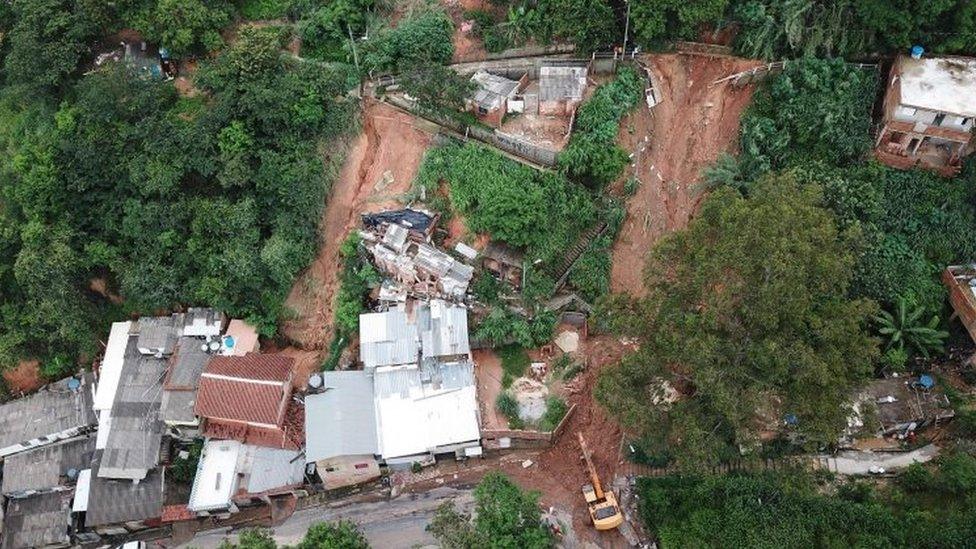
[[603, 508]]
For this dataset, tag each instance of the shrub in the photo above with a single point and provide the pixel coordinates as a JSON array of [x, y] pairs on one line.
[[957, 473], [508, 406], [514, 360], [555, 411], [916, 478], [420, 39], [592, 155]]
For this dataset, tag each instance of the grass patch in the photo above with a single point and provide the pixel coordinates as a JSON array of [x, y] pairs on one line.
[[514, 363], [555, 412], [509, 407]]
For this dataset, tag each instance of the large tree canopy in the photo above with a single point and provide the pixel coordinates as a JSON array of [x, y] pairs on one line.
[[746, 311]]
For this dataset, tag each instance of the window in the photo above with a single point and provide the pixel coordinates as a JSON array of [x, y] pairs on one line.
[[362, 466], [939, 118], [966, 121]]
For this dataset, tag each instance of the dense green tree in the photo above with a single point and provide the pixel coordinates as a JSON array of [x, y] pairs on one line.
[[907, 329], [252, 538], [326, 31], [186, 26], [333, 535], [46, 41], [422, 38], [505, 518], [654, 21], [437, 89], [747, 310]]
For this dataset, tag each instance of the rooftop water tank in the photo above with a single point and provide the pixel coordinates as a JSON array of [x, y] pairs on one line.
[[917, 52], [74, 384], [315, 382], [229, 341]]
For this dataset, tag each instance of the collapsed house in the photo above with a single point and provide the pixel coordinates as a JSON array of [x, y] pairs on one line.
[[417, 266], [929, 107], [898, 407], [495, 96], [414, 400], [504, 262]]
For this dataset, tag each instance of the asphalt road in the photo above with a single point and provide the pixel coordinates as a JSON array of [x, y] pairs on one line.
[[394, 524]]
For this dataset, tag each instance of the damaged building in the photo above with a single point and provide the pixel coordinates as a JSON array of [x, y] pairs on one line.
[[929, 107], [417, 266], [495, 96], [897, 407]]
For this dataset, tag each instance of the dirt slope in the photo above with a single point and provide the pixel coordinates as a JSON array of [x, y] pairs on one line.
[[389, 142], [693, 125]]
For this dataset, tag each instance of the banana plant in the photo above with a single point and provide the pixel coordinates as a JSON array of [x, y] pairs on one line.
[[904, 328]]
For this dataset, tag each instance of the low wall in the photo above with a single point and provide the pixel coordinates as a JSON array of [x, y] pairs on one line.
[[504, 439]]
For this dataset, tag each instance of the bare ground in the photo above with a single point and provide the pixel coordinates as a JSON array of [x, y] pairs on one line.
[[24, 378], [692, 126], [390, 141]]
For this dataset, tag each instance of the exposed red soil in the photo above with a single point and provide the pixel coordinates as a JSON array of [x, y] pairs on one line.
[[390, 141], [692, 125], [488, 371], [467, 46], [24, 378]]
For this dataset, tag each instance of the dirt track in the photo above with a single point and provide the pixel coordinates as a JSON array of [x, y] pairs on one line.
[[390, 141], [693, 124]]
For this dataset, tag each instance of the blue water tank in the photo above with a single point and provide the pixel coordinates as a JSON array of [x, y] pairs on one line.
[[229, 342], [791, 419], [926, 381], [74, 383], [917, 52]]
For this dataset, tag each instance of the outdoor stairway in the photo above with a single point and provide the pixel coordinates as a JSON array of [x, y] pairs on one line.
[[559, 270]]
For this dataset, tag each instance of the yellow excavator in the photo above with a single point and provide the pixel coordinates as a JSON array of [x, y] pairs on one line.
[[602, 505]]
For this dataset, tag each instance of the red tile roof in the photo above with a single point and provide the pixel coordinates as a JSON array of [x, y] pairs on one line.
[[177, 513], [223, 398], [274, 437], [257, 366], [252, 388]]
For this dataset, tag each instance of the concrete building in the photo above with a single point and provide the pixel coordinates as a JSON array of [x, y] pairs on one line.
[[494, 96], [960, 280], [231, 473], [415, 399], [561, 88], [929, 107]]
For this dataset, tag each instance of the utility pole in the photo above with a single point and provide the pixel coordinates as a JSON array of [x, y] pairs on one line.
[[626, 27], [352, 42]]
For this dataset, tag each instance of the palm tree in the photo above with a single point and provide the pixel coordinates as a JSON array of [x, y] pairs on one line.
[[905, 328]]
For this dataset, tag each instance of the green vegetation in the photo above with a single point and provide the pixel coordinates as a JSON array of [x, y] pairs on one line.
[[505, 517], [791, 510], [254, 10], [183, 470], [655, 21], [751, 302], [555, 411], [515, 361], [342, 534], [907, 328], [592, 155], [169, 201], [421, 39], [325, 27], [185, 26], [509, 407]]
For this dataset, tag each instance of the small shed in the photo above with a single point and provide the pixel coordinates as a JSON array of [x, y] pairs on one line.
[[490, 101]]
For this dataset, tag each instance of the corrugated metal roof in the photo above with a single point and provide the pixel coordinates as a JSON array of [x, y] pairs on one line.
[[271, 468], [202, 322], [48, 466], [177, 407], [187, 364], [341, 420], [133, 442], [37, 521], [420, 409], [387, 338], [114, 501], [159, 333], [395, 237], [445, 332], [51, 410]]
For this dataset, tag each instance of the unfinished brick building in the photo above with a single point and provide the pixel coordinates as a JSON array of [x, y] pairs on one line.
[[929, 107]]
